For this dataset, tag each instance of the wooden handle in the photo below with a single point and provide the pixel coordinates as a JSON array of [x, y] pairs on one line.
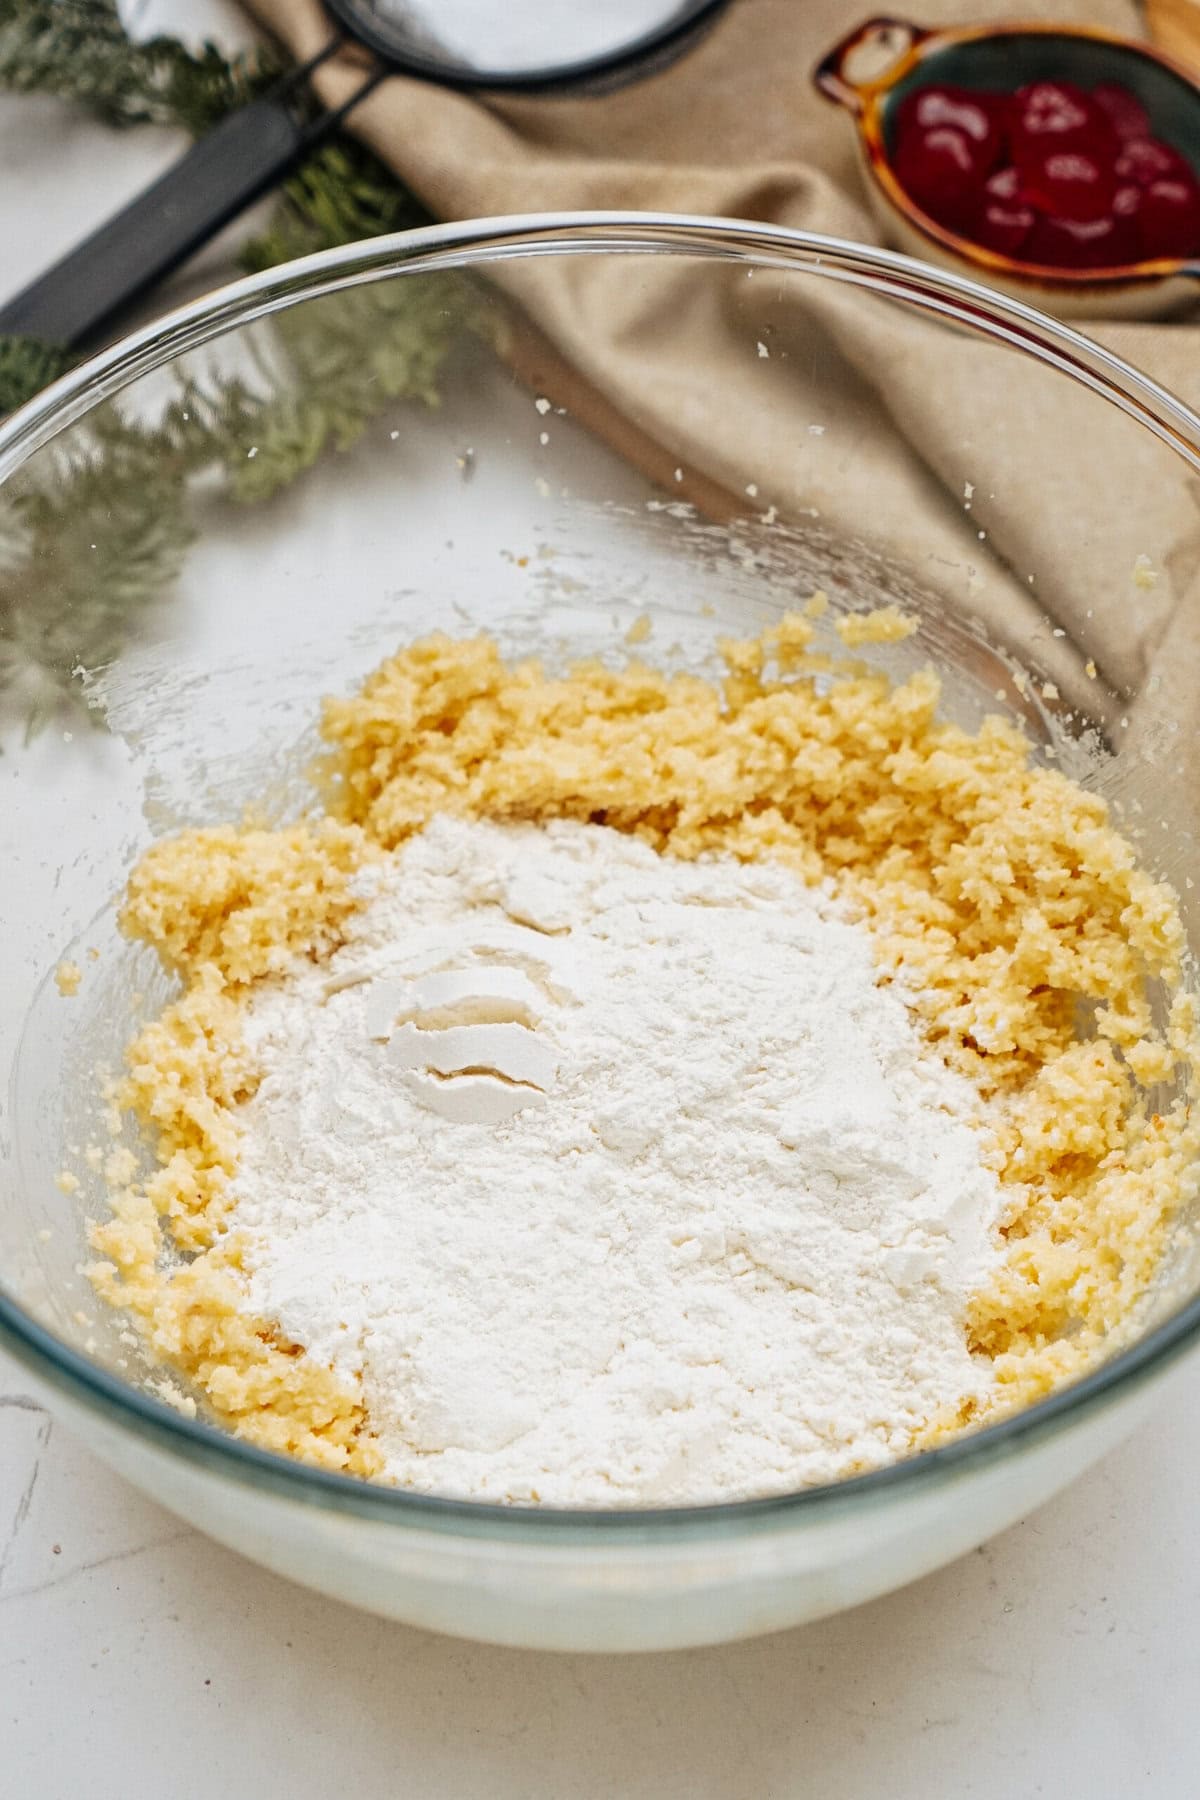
[[1174, 28]]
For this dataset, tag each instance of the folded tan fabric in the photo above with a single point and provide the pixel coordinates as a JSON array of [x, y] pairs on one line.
[[867, 417]]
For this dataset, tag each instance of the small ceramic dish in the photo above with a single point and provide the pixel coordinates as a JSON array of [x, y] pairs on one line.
[[878, 65]]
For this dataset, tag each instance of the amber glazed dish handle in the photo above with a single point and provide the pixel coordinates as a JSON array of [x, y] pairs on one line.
[[891, 40]]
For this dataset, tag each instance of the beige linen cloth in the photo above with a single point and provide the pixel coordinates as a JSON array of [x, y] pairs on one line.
[[906, 412]]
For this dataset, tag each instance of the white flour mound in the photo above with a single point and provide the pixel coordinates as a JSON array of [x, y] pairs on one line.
[[718, 1244]]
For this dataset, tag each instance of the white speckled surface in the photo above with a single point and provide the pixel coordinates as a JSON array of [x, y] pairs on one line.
[[136, 1657]]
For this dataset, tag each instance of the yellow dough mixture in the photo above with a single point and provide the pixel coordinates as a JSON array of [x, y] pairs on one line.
[[996, 891]]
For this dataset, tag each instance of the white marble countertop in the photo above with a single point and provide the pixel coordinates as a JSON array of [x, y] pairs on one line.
[[137, 1657]]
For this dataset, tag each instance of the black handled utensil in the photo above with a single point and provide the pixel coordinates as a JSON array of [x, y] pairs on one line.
[[533, 46]]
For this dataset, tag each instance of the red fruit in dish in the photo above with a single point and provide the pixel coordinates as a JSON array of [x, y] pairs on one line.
[[1125, 112], [980, 118], [1105, 243], [1056, 115], [1005, 217], [1070, 184], [1062, 178], [1169, 218], [938, 169], [1143, 160], [1127, 206]]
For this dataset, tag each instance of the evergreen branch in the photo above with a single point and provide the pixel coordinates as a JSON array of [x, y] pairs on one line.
[[26, 367], [78, 50], [340, 194], [94, 532]]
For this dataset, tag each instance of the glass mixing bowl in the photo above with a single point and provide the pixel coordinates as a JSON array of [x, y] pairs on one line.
[[153, 682]]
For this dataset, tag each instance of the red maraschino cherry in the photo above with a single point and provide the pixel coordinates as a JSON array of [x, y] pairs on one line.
[[938, 169], [980, 118], [1126, 114], [1169, 217], [1056, 116], [1106, 243], [1005, 218], [1069, 184], [1143, 160]]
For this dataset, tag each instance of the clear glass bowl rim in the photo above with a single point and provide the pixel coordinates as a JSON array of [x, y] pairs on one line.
[[475, 244]]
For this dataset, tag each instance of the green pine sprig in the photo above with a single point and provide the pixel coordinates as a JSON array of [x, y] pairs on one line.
[[78, 50], [93, 535], [26, 367]]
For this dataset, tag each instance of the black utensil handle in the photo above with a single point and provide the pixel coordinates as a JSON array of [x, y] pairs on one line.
[[244, 156]]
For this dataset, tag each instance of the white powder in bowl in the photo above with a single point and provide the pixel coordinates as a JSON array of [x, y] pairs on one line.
[[523, 35], [618, 1179]]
